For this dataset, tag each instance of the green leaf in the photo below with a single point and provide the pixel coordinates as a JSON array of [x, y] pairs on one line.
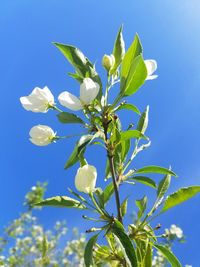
[[125, 146], [108, 191], [88, 254], [136, 77], [148, 256], [66, 117], [125, 243], [180, 196], [79, 150], [132, 134], [76, 76], [61, 202], [168, 255], [134, 50], [163, 186], [141, 204], [118, 50], [143, 121], [144, 180], [124, 207], [129, 107], [82, 65], [155, 169]]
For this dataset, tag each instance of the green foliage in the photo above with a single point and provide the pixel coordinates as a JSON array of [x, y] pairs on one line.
[[88, 254], [168, 255], [66, 117], [180, 196], [61, 202]]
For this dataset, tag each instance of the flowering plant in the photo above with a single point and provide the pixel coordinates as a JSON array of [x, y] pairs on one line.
[[127, 245]]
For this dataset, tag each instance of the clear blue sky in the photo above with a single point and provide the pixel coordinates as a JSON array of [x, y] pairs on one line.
[[169, 31]]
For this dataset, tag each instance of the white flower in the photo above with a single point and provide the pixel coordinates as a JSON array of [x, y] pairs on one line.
[[85, 179], [40, 100], [151, 66], [108, 61], [88, 92], [41, 135], [174, 230]]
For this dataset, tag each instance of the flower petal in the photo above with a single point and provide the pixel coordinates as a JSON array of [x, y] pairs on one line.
[[151, 66], [88, 91], [69, 101]]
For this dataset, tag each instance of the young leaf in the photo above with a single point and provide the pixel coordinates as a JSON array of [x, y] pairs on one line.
[[148, 256], [141, 204], [134, 50], [118, 51], [82, 65], [163, 186], [108, 191], [128, 106], [88, 254], [143, 121], [155, 169], [168, 255], [125, 146], [66, 117], [180, 196], [125, 243], [124, 207], [61, 202], [136, 77], [79, 149], [132, 134], [144, 180]]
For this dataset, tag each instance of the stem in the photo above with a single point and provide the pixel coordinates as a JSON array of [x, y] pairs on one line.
[[115, 188]]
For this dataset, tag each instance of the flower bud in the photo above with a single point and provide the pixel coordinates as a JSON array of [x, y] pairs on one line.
[[41, 135], [85, 179], [40, 100], [108, 61]]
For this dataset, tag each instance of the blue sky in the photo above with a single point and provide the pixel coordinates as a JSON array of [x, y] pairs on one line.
[[169, 31]]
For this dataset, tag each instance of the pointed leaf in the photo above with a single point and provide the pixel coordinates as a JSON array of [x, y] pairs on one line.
[[155, 169], [124, 207], [79, 150], [168, 255], [136, 77], [125, 243], [132, 134], [180, 196], [134, 50], [118, 50], [143, 121], [88, 254], [141, 204], [144, 180], [66, 117], [61, 202], [163, 186], [128, 106], [108, 192]]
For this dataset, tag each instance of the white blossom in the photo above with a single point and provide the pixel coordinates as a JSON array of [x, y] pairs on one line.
[[88, 92], [174, 230], [42, 135], [40, 100], [108, 61], [151, 66], [85, 179]]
